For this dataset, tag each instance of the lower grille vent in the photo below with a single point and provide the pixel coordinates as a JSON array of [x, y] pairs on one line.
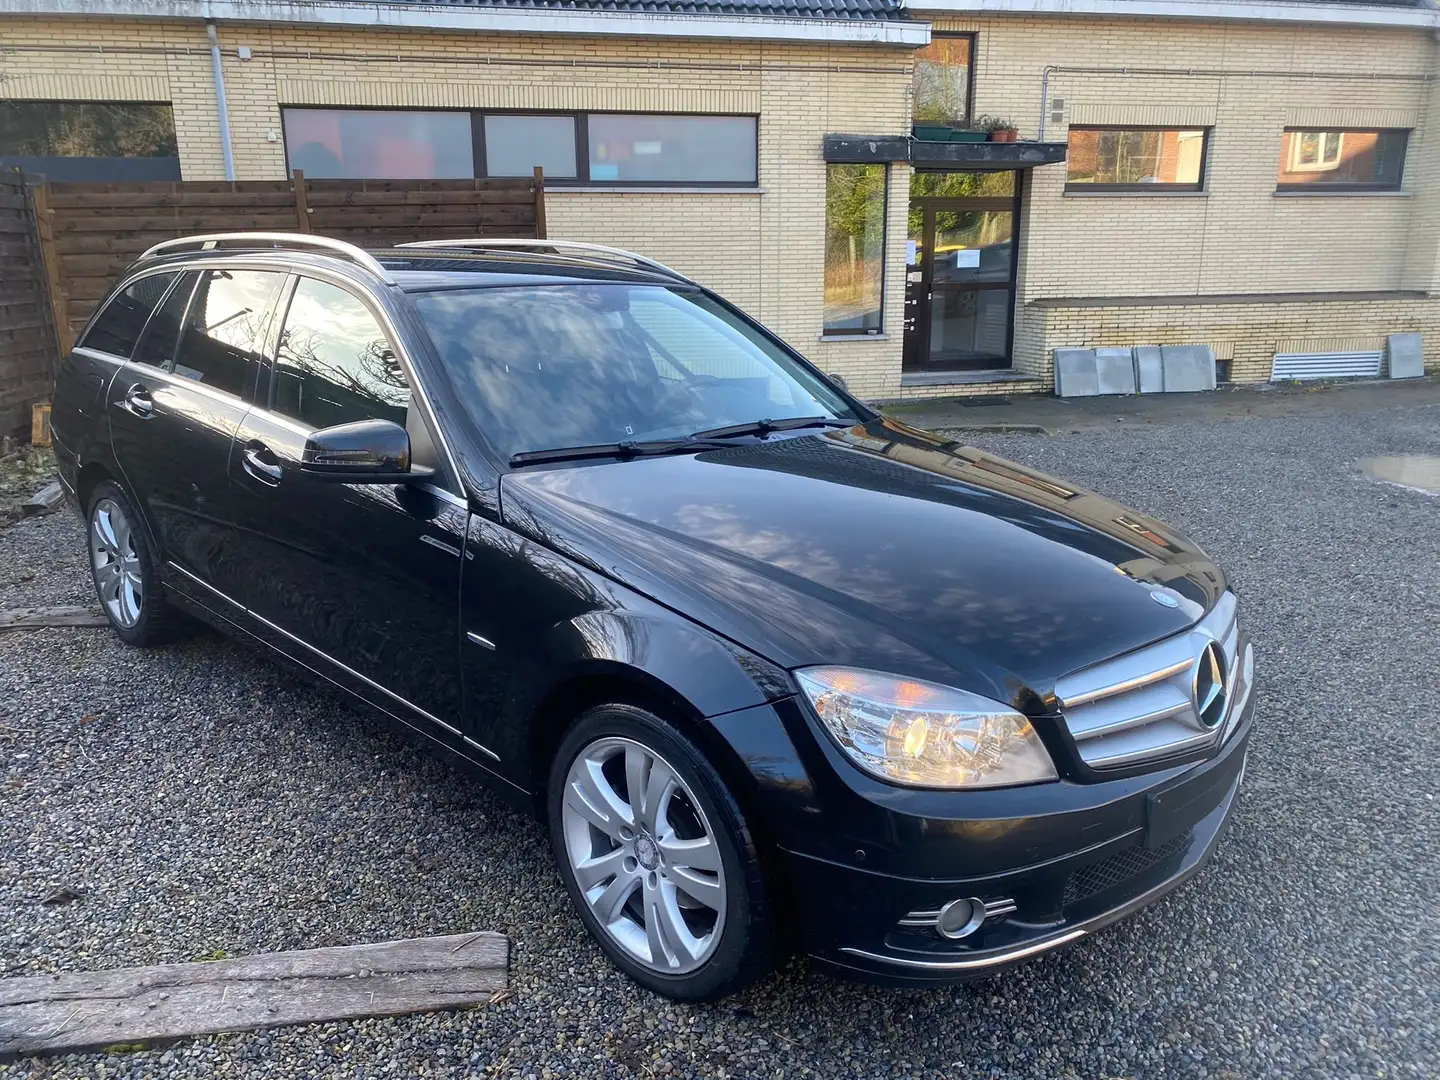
[[1122, 866]]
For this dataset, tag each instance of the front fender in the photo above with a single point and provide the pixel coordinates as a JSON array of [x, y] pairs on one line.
[[567, 636], [705, 673]]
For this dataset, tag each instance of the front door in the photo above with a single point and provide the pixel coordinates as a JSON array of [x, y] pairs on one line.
[[960, 281], [359, 581]]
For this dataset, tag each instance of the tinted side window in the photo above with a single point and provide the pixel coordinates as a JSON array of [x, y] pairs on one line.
[[222, 334], [162, 333], [335, 364], [119, 325]]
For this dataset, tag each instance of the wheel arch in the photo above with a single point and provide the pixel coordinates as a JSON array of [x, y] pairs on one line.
[[91, 475], [646, 656]]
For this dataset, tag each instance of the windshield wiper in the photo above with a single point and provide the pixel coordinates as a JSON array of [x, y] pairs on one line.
[[713, 439], [765, 427], [621, 450]]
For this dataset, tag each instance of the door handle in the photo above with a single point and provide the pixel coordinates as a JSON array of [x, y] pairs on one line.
[[267, 472], [138, 400]]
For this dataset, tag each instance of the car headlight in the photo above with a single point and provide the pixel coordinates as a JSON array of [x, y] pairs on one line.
[[923, 734]]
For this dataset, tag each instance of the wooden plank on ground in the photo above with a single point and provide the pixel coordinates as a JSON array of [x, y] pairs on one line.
[[43, 618], [96, 1008]]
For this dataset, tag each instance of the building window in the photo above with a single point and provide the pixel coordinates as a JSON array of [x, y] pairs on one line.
[[854, 248], [515, 144], [89, 140], [364, 144], [596, 148], [944, 80], [1353, 160], [639, 148], [1136, 158]]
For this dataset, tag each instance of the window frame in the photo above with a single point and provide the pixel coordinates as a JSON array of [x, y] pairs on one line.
[[254, 371], [861, 332], [582, 141], [280, 316], [167, 158], [1080, 187], [974, 36], [1321, 187], [168, 367], [1319, 166], [82, 340]]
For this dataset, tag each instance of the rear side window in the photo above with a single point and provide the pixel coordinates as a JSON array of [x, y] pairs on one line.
[[223, 331], [162, 333], [119, 326], [334, 364]]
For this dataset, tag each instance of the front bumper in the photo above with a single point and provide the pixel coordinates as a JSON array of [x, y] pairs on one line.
[[1070, 857], [1056, 902]]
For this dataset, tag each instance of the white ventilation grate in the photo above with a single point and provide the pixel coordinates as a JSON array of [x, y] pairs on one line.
[[1325, 365]]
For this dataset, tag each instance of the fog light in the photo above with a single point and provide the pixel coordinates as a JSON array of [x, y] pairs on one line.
[[960, 918]]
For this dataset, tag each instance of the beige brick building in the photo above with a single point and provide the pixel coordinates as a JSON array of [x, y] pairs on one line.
[[1254, 177]]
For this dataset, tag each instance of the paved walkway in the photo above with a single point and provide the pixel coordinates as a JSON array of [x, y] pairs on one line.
[[1030, 412]]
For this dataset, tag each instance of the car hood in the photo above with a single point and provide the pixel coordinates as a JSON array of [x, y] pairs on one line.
[[879, 546]]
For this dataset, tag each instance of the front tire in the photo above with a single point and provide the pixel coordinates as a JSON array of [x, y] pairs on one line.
[[123, 570], [656, 856]]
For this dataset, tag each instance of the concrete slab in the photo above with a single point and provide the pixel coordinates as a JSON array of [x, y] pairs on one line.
[[1075, 374], [1188, 368], [1229, 402], [1149, 371], [1407, 361], [1115, 371]]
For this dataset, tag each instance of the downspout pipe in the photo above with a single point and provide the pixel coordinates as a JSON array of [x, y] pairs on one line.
[[220, 105]]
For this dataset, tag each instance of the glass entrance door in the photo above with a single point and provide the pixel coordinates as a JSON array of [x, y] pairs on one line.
[[960, 291]]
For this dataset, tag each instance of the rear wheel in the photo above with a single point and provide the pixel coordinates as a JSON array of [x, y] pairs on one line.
[[123, 570], [656, 856]]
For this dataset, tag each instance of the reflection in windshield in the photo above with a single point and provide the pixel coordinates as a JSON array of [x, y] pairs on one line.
[[581, 365]]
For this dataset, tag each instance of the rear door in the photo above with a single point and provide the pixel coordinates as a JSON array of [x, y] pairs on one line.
[[366, 576], [174, 412], [80, 419]]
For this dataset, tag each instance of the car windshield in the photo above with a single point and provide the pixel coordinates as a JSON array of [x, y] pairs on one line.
[[544, 367]]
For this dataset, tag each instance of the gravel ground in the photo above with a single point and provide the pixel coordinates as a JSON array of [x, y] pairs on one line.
[[203, 800]]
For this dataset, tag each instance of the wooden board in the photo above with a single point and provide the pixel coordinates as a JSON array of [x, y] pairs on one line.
[[127, 1005], [41, 618]]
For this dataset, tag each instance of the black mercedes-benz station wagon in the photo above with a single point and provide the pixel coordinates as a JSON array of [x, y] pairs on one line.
[[778, 671]]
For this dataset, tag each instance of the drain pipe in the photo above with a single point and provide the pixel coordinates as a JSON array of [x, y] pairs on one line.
[[220, 101]]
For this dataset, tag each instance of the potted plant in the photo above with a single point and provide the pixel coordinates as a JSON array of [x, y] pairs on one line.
[[1000, 129]]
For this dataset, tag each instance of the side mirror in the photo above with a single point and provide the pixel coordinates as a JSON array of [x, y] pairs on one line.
[[838, 379], [365, 452]]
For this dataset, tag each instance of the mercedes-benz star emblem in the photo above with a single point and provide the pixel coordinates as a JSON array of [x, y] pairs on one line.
[[647, 852], [1164, 599], [1209, 685]]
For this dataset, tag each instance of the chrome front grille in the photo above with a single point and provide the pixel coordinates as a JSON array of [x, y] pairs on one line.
[[1142, 705]]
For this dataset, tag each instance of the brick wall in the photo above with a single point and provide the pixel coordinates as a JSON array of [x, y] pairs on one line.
[[1248, 334], [1237, 236], [763, 249]]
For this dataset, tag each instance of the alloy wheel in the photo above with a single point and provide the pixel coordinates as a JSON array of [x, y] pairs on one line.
[[116, 563], [645, 859]]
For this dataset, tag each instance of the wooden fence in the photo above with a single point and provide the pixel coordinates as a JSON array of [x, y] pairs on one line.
[[27, 333], [99, 229]]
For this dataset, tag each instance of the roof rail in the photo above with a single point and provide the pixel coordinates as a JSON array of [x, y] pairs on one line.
[[328, 244], [559, 247]]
